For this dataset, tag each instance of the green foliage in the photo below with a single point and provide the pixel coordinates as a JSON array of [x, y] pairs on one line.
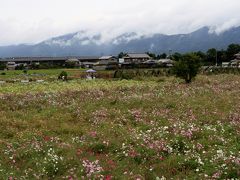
[[176, 56], [35, 66], [2, 66], [211, 56], [49, 65], [25, 71], [71, 64], [232, 50], [188, 67], [162, 56], [152, 55], [63, 75], [202, 55], [20, 67], [121, 55]]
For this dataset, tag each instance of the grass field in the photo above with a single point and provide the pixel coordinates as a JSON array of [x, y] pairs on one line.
[[52, 74], [149, 129], [45, 74]]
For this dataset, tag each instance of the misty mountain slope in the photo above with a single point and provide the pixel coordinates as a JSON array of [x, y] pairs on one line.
[[84, 43]]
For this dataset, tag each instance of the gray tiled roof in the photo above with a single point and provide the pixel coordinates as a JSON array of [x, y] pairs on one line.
[[29, 59], [106, 57], [138, 55]]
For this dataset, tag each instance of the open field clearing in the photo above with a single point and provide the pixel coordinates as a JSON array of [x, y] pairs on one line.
[[46, 74], [148, 129]]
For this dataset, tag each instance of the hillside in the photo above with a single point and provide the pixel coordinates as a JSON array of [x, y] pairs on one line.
[[80, 43]]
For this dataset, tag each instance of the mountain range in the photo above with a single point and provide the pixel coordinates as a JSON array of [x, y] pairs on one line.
[[82, 44]]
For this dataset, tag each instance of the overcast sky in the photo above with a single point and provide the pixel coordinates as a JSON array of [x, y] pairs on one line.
[[31, 21]]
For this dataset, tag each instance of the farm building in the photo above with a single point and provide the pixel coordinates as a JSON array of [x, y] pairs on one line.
[[235, 62], [86, 61], [30, 60], [237, 56], [136, 58], [11, 65], [166, 62], [73, 62], [106, 62]]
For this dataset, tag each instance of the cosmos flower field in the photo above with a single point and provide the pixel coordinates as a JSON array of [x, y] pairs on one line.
[[150, 129]]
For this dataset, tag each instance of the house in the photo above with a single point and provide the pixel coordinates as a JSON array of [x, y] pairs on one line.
[[235, 62], [166, 62], [72, 62], [148, 64], [106, 63], [11, 65], [225, 64], [108, 58], [33, 61], [88, 61], [237, 56], [136, 58]]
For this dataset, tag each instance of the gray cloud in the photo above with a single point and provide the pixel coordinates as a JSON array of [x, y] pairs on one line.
[[31, 21]]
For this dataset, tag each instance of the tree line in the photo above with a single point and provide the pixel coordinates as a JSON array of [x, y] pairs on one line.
[[188, 65], [210, 57], [213, 56]]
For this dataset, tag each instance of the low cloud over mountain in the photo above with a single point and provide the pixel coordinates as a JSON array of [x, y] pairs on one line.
[[86, 43]]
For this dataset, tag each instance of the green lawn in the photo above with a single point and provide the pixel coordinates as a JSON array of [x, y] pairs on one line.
[[150, 129]]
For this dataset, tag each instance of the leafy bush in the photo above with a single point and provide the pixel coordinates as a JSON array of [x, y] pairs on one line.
[[71, 64], [63, 75], [35, 66], [25, 71], [20, 67], [50, 66], [2, 66], [188, 67], [124, 74]]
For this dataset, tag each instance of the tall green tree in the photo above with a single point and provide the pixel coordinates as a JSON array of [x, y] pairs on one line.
[[211, 56], [162, 56], [202, 55], [187, 67], [232, 50], [2, 66], [152, 55], [176, 56], [121, 55], [222, 56]]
